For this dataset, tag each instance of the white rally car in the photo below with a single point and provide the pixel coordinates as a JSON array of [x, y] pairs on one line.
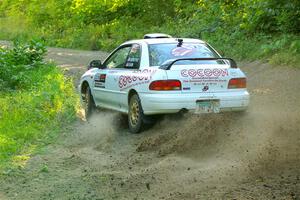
[[160, 75]]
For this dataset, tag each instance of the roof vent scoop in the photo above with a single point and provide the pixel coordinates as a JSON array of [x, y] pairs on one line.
[[180, 41], [156, 36]]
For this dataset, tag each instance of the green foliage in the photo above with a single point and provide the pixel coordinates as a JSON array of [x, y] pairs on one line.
[[35, 101], [17, 64], [244, 29]]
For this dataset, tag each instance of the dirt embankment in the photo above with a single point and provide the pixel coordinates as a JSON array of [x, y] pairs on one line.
[[251, 155]]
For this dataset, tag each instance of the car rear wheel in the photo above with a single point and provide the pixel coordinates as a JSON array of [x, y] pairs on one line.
[[135, 114], [88, 103]]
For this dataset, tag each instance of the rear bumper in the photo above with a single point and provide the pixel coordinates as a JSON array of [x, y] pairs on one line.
[[172, 103]]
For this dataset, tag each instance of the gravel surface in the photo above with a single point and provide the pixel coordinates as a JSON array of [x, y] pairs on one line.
[[251, 155]]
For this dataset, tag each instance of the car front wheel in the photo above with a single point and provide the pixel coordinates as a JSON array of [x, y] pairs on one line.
[[135, 114]]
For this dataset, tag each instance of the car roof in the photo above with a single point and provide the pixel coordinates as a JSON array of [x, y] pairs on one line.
[[156, 35], [164, 41]]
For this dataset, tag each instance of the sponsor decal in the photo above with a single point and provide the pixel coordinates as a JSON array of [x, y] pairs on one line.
[[205, 83], [205, 80], [200, 73], [100, 80], [184, 50], [205, 88], [136, 78]]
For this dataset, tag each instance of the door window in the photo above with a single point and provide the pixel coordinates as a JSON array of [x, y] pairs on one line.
[[125, 57], [118, 59]]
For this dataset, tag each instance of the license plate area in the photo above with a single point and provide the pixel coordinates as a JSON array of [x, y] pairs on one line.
[[207, 106]]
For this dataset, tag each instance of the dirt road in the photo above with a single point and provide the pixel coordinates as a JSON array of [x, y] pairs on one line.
[[255, 155]]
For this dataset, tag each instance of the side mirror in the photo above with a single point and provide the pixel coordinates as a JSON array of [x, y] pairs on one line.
[[95, 64]]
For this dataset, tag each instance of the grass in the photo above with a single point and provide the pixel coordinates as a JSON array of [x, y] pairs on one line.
[[33, 115]]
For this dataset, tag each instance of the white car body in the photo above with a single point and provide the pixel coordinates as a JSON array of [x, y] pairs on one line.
[[111, 87]]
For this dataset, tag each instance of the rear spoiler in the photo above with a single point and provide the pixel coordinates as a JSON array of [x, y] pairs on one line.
[[169, 64]]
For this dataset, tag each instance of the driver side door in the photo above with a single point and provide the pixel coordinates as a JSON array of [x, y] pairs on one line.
[[105, 92]]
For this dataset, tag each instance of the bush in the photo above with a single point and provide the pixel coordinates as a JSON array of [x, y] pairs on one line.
[[36, 100], [18, 63]]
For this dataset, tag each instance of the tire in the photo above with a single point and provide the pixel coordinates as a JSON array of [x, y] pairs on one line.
[[88, 103], [136, 115]]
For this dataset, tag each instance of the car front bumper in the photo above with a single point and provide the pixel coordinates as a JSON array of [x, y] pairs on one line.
[[160, 103]]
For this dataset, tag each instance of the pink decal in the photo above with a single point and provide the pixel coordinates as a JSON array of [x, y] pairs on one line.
[[192, 72], [216, 72], [121, 81], [224, 72], [184, 50], [208, 72], [200, 72], [205, 73], [139, 77], [129, 79], [184, 73]]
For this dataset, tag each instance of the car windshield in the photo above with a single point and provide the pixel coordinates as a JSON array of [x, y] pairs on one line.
[[162, 53]]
